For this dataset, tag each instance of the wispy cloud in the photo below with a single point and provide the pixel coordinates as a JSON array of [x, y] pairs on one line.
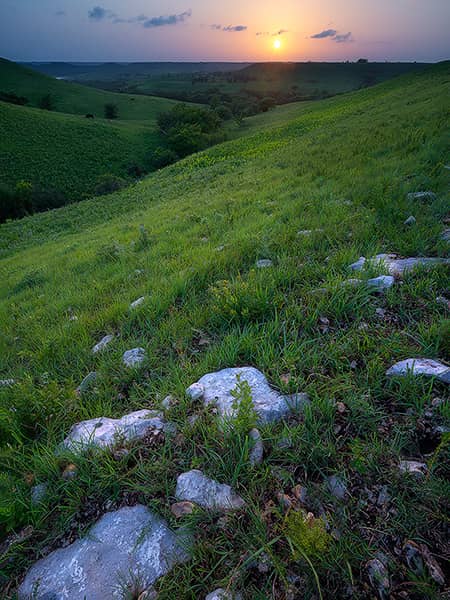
[[274, 34], [60, 13], [99, 13], [339, 38], [264, 33]]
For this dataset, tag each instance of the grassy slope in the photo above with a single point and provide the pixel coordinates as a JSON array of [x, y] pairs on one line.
[[251, 195], [73, 98]]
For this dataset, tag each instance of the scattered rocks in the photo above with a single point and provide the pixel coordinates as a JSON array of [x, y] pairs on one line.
[[425, 367], [414, 467], [422, 196], [264, 263], [126, 547], [104, 432], [379, 577], [179, 509], [194, 486], [38, 493], [410, 221], [397, 266], [87, 383], [220, 389], [133, 358], [137, 302], [257, 452], [336, 486], [102, 344], [7, 382]]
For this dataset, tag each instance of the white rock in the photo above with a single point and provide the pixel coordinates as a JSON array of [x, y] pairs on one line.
[[264, 263], [336, 486], [410, 220], [102, 344], [7, 382], [38, 493], [221, 594], [308, 232], [104, 432], [420, 366], [137, 302], [383, 282], [397, 266], [423, 196], [414, 467], [257, 452], [124, 547], [446, 235], [219, 389], [195, 487], [134, 357], [195, 391], [87, 382]]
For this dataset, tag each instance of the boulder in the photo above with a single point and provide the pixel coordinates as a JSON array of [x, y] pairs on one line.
[[101, 345], [194, 486], [104, 432], [397, 266], [134, 357], [127, 549], [218, 388], [426, 367]]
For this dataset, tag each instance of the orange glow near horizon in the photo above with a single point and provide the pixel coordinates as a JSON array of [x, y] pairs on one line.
[[277, 44]]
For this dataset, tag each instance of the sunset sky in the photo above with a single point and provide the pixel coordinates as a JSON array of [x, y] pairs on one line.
[[236, 30]]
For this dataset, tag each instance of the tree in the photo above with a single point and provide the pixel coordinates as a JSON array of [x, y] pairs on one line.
[[111, 111], [46, 102], [267, 103], [185, 139]]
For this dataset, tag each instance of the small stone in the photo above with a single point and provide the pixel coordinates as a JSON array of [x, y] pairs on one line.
[[425, 367], [179, 509], [380, 313], [301, 493], [192, 420], [168, 402], [410, 221], [70, 472], [133, 358], [7, 382], [221, 594], [336, 487], [379, 577], [137, 302], [383, 496], [444, 301], [414, 467], [123, 547], [38, 493], [220, 248], [257, 451], [445, 235], [102, 344], [264, 263], [194, 486], [264, 563], [284, 500], [422, 196], [87, 383], [397, 266], [195, 391], [340, 406], [381, 283]]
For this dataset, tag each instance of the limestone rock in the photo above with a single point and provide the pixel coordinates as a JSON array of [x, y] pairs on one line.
[[38, 493], [257, 452], [87, 383], [336, 487], [194, 486], [104, 432], [445, 235], [379, 577], [7, 382], [195, 391], [137, 302], [221, 594], [410, 220], [426, 367], [414, 467], [124, 547], [422, 196], [269, 405], [179, 509], [381, 283], [264, 263], [397, 266], [133, 358], [102, 344]]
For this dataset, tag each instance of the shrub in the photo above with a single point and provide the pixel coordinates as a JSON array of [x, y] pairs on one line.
[[267, 103], [24, 197], [111, 111], [306, 534], [186, 139], [13, 98], [8, 205], [206, 120], [162, 157], [108, 183], [46, 102]]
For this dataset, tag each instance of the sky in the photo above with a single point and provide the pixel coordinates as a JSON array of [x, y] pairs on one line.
[[235, 30]]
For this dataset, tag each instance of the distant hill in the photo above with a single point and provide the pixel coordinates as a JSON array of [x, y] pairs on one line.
[[73, 98]]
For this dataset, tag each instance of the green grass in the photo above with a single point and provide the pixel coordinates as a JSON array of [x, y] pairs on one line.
[[76, 99], [344, 165]]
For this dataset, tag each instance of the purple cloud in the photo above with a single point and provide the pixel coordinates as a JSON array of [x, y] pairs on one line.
[[324, 34]]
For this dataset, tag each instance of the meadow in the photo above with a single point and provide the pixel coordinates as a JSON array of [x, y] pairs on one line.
[[187, 238]]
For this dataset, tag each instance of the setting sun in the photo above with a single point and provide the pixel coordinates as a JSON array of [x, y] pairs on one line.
[[277, 44]]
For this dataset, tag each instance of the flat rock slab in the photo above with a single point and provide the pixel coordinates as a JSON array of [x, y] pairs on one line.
[[104, 432], [129, 546], [194, 486], [425, 367], [102, 344], [218, 388], [134, 357], [397, 266]]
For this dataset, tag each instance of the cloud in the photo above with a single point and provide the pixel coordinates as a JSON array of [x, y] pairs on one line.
[[263, 33], [216, 27], [280, 32], [339, 38], [60, 13], [235, 28], [98, 13], [324, 34], [167, 20]]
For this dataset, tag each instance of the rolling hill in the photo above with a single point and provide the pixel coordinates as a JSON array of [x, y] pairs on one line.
[[330, 508]]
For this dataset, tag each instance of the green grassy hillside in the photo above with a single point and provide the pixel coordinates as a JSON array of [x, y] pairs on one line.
[[73, 98], [187, 239]]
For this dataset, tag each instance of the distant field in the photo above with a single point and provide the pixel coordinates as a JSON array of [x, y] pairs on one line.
[[73, 98]]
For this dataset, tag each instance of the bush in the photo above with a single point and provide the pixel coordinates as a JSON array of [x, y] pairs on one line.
[[162, 157], [108, 183], [46, 102], [111, 111], [267, 103], [186, 139], [13, 98], [206, 120], [8, 206]]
